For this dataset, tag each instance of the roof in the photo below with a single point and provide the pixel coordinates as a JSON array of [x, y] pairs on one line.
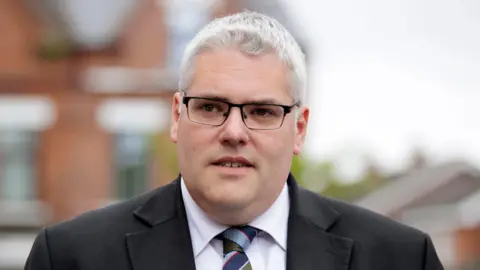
[[421, 184], [464, 185]]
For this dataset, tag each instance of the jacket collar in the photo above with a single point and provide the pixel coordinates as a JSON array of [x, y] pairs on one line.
[[166, 242]]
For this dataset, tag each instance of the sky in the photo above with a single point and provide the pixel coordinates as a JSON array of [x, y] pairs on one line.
[[387, 77]]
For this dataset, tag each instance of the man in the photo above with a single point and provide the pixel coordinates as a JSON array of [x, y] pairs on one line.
[[238, 119]]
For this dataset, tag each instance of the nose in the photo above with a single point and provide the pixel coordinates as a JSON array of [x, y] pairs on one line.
[[233, 131]]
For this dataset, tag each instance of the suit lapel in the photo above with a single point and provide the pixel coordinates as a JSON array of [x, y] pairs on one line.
[[165, 243], [310, 246]]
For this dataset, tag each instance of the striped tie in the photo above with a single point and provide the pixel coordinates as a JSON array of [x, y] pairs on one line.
[[235, 241]]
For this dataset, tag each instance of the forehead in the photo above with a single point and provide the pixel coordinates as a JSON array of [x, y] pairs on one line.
[[239, 77]]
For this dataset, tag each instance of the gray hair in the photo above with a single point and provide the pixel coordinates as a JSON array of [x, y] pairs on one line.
[[254, 34]]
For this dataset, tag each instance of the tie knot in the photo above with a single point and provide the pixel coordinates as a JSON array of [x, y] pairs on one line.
[[238, 238]]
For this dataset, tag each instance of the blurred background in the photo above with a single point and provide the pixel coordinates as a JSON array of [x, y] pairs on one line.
[[394, 89]]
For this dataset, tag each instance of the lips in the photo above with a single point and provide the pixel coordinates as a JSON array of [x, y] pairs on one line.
[[233, 162]]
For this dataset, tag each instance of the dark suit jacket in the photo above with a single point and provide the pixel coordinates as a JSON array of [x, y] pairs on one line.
[[151, 232]]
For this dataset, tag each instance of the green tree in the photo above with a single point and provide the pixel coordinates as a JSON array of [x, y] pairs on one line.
[[370, 181], [298, 168], [322, 178]]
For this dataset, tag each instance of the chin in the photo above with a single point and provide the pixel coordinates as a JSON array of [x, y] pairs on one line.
[[231, 201], [232, 206]]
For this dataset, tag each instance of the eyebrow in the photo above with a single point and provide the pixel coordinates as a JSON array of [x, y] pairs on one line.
[[258, 101]]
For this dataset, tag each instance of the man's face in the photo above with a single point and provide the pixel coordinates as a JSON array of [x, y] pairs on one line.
[[264, 155]]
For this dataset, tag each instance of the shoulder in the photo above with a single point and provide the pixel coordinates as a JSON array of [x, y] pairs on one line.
[[97, 233], [395, 245], [111, 221], [115, 215]]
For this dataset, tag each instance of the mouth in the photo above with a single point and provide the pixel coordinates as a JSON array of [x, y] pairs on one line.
[[233, 162], [232, 165]]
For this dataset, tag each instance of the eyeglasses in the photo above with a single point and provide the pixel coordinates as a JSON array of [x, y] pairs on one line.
[[214, 112]]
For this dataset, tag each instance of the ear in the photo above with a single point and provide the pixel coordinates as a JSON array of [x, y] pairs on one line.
[[301, 129], [175, 117]]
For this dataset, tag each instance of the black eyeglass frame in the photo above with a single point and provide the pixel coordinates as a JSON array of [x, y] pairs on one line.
[[286, 110]]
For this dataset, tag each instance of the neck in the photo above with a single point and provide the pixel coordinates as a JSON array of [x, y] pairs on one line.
[[241, 215], [232, 217]]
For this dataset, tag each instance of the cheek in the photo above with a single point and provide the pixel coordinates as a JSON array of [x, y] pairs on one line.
[[194, 139], [275, 146], [189, 151]]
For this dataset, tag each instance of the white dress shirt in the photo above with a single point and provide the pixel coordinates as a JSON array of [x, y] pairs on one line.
[[266, 252]]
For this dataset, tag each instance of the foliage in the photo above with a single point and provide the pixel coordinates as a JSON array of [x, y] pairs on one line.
[[166, 152], [321, 177], [54, 46], [297, 168], [351, 192]]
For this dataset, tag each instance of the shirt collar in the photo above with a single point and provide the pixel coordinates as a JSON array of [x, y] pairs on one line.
[[202, 229], [274, 221]]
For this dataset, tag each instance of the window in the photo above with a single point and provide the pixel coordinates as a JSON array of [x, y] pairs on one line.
[[132, 165], [17, 165]]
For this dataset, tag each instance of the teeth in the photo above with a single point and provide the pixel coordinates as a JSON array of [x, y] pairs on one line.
[[232, 164]]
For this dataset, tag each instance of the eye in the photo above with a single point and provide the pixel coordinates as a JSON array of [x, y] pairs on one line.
[[209, 107], [263, 111]]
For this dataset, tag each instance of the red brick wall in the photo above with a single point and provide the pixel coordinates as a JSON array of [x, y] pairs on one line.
[[143, 43], [18, 36], [467, 245], [75, 162]]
